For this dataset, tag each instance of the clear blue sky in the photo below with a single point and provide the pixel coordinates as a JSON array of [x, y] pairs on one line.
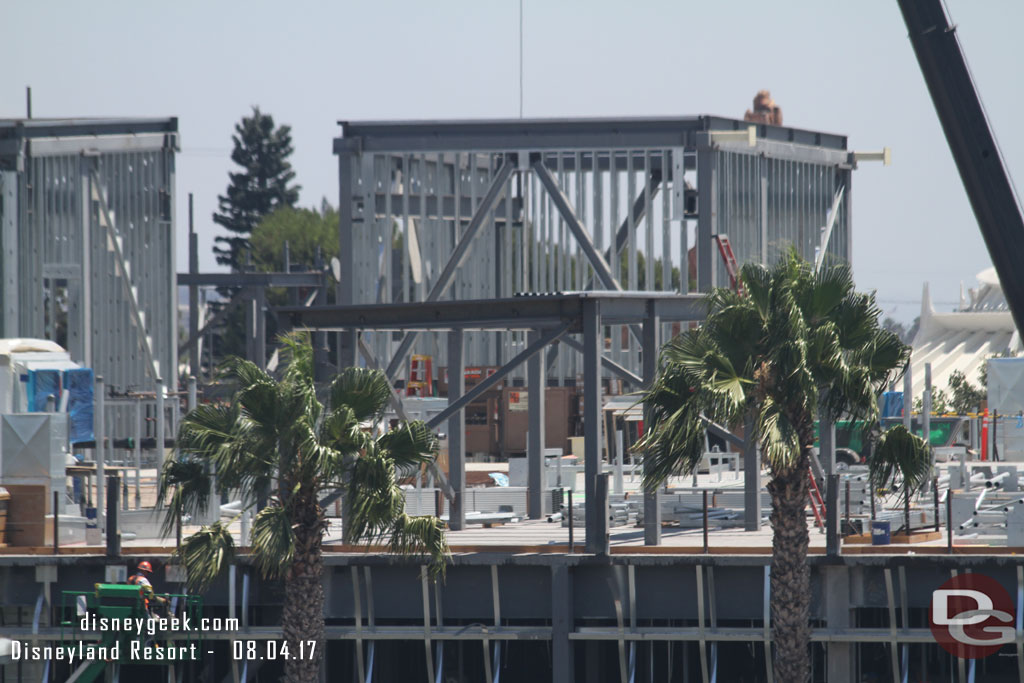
[[842, 67]]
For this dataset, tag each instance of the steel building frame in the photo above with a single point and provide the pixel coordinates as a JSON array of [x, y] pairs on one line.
[[545, 319], [87, 212], [489, 209]]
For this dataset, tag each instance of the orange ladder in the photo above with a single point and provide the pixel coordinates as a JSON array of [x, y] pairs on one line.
[[731, 266], [817, 504]]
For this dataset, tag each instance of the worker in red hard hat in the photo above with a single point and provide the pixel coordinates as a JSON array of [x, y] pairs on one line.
[[141, 579]]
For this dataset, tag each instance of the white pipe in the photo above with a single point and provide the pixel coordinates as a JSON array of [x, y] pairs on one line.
[[997, 480]]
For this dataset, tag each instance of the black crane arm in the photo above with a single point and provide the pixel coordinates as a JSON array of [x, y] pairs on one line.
[[971, 141]]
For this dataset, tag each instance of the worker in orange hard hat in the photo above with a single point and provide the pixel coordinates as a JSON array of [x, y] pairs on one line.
[[141, 579]]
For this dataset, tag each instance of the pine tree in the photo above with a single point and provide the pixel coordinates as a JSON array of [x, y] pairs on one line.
[[264, 184]]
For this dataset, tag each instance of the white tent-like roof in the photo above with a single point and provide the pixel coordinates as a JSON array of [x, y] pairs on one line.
[[962, 340]]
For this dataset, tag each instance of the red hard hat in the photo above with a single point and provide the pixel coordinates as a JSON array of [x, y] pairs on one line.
[[145, 566]]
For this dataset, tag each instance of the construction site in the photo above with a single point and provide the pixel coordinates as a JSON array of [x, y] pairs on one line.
[[515, 280]]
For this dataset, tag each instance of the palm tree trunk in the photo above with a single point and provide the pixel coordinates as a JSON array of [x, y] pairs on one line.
[[303, 618], [791, 578]]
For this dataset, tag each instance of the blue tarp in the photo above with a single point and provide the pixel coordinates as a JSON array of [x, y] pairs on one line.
[[892, 404], [40, 386], [79, 381]]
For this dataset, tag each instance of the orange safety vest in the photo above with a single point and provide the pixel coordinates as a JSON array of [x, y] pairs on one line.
[[134, 580]]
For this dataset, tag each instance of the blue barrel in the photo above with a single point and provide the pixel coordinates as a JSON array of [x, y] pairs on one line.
[[880, 533], [90, 518]]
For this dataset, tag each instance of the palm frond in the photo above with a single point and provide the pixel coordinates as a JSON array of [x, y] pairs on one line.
[[421, 536], [900, 454], [364, 390], [264, 412], [273, 541], [757, 282], [672, 445], [205, 554], [411, 443], [297, 354], [187, 477], [207, 427], [823, 291], [243, 372], [375, 500], [856, 318], [342, 429]]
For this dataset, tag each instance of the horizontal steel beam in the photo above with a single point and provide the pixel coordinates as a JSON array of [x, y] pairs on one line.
[[774, 149], [515, 313], [107, 144], [307, 279], [539, 134], [44, 128]]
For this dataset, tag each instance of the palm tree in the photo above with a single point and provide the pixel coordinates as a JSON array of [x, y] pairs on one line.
[[904, 457], [796, 344], [276, 447]]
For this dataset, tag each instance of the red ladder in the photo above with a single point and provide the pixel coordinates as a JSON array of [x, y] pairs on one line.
[[731, 266], [817, 504]]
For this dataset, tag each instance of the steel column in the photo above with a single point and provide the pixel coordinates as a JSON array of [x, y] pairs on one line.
[[321, 353], [593, 343], [832, 543], [9, 252], [260, 328], [113, 502], [137, 450], [908, 397], [99, 451], [826, 438], [836, 596], [346, 242], [651, 344], [160, 429], [193, 294], [535, 385], [562, 665], [707, 208], [456, 432], [926, 412], [82, 350]]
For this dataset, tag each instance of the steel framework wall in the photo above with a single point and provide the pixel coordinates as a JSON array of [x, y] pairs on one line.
[[635, 617], [477, 210], [87, 241]]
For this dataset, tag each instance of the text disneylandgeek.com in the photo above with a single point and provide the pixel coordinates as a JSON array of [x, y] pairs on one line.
[[137, 642]]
